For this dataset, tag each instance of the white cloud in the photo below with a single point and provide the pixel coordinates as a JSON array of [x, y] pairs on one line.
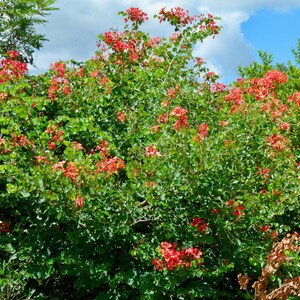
[[248, 6], [229, 49]]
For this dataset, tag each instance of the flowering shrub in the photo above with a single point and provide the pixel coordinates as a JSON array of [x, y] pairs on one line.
[[128, 177]]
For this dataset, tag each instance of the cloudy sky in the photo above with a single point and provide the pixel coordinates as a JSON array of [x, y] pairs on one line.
[[248, 26]]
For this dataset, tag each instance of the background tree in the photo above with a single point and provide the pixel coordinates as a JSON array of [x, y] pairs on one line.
[[18, 20]]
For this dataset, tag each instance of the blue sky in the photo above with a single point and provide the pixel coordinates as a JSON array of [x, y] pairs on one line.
[[275, 32], [248, 26]]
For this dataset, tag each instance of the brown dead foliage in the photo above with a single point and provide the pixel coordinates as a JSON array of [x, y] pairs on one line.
[[276, 257]]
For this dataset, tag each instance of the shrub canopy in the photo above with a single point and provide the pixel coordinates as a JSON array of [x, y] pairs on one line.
[[137, 175]]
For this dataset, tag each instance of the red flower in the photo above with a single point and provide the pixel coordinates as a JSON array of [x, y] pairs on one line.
[[110, 165], [51, 145], [275, 77], [200, 224], [283, 126], [121, 117], [173, 258], [116, 41], [102, 148], [71, 171], [278, 142], [79, 202], [196, 221], [66, 90], [11, 68], [12, 54], [264, 172], [166, 245], [238, 211], [155, 128], [194, 253], [273, 234], [223, 123], [202, 133], [4, 226], [60, 68], [230, 202], [171, 93], [162, 118], [159, 264], [215, 211], [136, 15], [78, 146], [59, 166], [181, 122], [151, 151], [133, 57], [236, 95], [178, 111], [41, 158], [176, 16], [264, 228], [295, 98]]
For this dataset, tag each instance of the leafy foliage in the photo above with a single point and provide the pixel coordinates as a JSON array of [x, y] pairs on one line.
[[18, 20], [137, 175]]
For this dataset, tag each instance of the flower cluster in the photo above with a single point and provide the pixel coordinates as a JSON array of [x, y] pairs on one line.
[[115, 40], [78, 146], [152, 42], [235, 95], [182, 118], [171, 93], [264, 172], [173, 258], [79, 201], [163, 118], [110, 165], [56, 137], [176, 16], [200, 224], [262, 88], [11, 68], [107, 164], [277, 142], [136, 15], [40, 159], [151, 151], [121, 43], [238, 209], [275, 107], [212, 26], [217, 88], [295, 98], [59, 82], [283, 126], [264, 228], [121, 117], [69, 171], [21, 140], [202, 133], [4, 226]]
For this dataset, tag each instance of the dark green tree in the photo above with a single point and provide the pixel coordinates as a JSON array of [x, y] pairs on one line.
[[18, 22]]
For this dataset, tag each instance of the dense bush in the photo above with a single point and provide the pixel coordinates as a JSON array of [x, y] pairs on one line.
[[137, 175]]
